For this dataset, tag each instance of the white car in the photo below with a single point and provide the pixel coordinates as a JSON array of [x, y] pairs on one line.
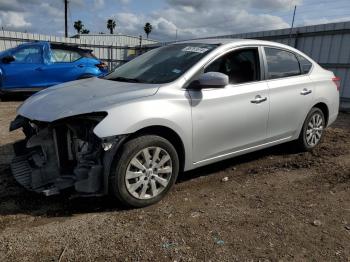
[[170, 110]]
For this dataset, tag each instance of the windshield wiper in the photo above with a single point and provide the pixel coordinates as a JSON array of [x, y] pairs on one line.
[[124, 79]]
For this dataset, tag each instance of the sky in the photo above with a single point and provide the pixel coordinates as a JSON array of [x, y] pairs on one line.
[[171, 19]]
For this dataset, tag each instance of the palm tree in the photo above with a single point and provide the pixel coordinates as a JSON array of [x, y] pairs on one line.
[[78, 25], [111, 24], [148, 29], [85, 31]]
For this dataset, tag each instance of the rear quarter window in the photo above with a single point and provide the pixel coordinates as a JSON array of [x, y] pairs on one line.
[[305, 65], [88, 55], [281, 63]]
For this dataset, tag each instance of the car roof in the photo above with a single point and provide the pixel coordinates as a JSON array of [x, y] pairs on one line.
[[56, 45], [218, 41], [234, 41]]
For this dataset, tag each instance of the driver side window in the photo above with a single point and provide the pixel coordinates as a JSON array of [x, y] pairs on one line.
[[241, 66]]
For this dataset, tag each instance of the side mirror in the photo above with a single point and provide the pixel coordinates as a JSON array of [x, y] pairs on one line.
[[8, 59], [212, 80]]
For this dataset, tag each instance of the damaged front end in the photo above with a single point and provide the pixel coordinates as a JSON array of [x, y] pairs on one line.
[[63, 154]]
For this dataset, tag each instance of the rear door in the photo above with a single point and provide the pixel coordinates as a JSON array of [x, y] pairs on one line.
[[290, 91], [64, 66], [25, 72]]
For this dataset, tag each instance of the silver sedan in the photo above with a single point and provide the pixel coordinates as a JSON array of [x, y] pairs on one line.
[[170, 110]]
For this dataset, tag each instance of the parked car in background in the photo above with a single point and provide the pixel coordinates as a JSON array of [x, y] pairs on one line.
[[33, 66], [169, 110]]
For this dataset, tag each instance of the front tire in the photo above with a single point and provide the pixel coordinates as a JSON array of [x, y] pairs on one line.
[[312, 131], [144, 171]]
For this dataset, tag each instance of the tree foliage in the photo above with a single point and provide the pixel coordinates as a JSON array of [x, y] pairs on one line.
[[111, 24], [78, 25], [148, 29]]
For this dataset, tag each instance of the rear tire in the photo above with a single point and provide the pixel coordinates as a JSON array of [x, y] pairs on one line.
[[144, 171], [312, 131]]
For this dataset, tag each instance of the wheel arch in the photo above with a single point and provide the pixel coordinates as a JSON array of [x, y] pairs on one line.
[[325, 110], [319, 104], [162, 131], [169, 134]]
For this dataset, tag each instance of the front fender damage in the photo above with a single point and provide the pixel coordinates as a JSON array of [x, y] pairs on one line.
[[65, 154]]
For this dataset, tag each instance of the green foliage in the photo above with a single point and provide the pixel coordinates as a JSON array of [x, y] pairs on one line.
[[148, 29]]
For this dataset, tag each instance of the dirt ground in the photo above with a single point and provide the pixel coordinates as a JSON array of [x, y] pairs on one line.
[[277, 205]]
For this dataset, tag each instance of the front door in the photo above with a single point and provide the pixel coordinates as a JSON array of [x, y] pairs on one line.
[[26, 71], [233, 118]]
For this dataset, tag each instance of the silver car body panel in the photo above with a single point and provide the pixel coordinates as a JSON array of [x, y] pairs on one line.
[[213, 124], [82, 97]]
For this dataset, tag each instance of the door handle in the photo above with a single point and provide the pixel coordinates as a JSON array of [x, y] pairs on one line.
[[258, 99], [305, 92], [39, 69], [81, 65]]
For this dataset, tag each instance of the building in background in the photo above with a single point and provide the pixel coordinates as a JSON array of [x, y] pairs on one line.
[[116, 39]]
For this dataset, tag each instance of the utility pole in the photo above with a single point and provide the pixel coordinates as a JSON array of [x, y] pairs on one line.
[[65, 18], [291, 29]]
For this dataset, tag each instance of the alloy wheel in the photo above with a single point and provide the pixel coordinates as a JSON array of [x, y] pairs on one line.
[[314, 130], [148, 173]]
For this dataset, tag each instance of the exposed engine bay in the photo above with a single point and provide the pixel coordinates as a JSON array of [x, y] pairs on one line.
[[63, 154]]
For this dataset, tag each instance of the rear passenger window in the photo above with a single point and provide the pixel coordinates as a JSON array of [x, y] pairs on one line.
[[305, 64], [64, 56], [281, 63]]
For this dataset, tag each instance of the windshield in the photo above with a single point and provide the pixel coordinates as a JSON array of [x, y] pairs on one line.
[[161, 65]]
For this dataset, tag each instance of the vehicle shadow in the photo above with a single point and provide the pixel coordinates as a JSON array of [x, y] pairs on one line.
[[16, 200]]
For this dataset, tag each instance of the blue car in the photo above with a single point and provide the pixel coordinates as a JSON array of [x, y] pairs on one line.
[[33, 66]]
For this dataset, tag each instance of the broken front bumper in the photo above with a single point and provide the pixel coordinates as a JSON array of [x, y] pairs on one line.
[[63, 155]]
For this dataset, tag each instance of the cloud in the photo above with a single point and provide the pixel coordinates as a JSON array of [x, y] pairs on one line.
[[10, 5], [274, 4], [325, 20], [98, 4], [199, 18], [184, 18], [13, 21]]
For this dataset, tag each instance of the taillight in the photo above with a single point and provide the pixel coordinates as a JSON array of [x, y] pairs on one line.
[[336, 81], [101, 66]]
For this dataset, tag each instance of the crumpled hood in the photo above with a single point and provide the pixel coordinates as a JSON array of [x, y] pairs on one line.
[[82, 97]]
